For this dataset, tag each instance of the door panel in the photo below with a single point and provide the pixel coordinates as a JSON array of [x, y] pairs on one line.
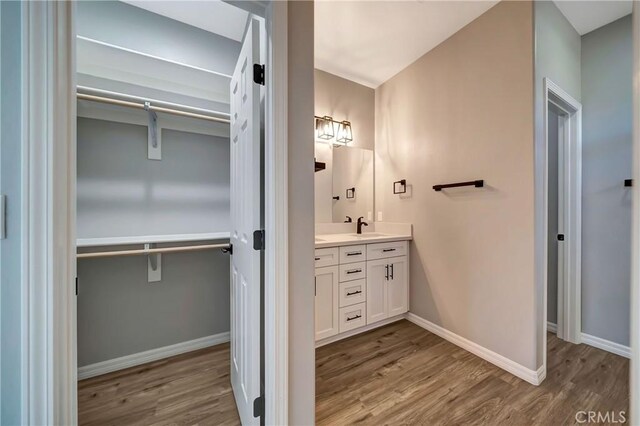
[[245, 219], [326, 302], [376, 290], [397, 287]]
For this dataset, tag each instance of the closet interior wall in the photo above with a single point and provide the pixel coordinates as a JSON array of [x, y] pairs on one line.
[[122, 193]]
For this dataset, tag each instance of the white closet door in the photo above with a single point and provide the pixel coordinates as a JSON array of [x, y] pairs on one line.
[[245, 219]]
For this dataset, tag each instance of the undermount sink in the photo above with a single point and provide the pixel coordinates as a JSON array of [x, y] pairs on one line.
[[368, 235]]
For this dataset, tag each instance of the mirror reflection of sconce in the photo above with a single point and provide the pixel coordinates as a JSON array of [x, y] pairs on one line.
[[351, 193], [400, 186], [325, 130]]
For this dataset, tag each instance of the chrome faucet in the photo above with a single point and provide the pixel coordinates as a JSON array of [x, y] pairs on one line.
[[360, 224]]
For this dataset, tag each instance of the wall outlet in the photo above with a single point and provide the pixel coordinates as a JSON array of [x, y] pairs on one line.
[[369, 216], [379, 216]]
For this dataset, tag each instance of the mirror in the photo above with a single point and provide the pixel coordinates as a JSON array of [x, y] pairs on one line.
[[345, 186]]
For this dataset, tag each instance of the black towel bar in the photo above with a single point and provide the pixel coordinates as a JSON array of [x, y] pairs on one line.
[[476, 183]]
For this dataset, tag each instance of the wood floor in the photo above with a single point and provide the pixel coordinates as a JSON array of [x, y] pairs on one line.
[[402, 374], [397, 374], [188, 389]]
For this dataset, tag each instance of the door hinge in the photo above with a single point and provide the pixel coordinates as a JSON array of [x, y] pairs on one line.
[[560, 237], [258, 74], [76, 286], [258, 239], [258, 406]]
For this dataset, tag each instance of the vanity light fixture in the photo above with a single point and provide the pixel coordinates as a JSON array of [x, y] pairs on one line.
[[324, 127], [325, 130], [344, 132]]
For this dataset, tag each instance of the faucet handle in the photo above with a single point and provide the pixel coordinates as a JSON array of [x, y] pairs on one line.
[[349, 220]]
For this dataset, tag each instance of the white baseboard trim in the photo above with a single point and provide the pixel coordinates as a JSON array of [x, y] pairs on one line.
[[132, 360], [597, 342], [534, 377], [606, 345], [353, 332]]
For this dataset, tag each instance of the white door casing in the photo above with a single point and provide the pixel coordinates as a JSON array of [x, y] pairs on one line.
[[245, 219]]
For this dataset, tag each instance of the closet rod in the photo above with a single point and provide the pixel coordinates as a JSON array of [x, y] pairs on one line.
[[139, 252], [138, 105]]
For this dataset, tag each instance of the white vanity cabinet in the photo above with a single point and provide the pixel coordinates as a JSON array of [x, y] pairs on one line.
[[327, 301], [359, 285]]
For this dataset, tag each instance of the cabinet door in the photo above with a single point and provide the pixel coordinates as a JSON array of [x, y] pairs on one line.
[[398, 286], [327, 299], [377, 290]]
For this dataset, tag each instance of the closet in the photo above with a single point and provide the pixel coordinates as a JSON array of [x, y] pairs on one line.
[[153, 218]]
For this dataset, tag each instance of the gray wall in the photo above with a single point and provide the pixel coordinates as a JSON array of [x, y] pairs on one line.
[[128, 26], [302, 382], [607, 119], [10, 182], [552, 253], [557, 56], [436, 123], [122, 193]]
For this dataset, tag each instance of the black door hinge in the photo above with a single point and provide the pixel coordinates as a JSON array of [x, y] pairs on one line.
[[76, 286], [560, 237], [258, 239], [258, 74], [258, 406]]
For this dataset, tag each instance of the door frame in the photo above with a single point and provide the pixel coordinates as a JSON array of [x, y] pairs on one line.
[[634, 373], [49, 343], [571, 167]]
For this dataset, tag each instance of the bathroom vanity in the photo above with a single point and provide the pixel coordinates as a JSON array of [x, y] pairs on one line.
[[361, 281]]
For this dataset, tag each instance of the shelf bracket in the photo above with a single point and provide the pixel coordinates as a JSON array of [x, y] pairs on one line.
[[154, 143], [154, 265]]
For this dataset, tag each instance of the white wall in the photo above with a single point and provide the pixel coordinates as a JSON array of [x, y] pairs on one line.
[[464, 111], [301, 226]]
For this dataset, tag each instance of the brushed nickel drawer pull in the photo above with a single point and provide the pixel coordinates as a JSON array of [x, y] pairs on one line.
[[354, 292], [354, 318], [354, 271]]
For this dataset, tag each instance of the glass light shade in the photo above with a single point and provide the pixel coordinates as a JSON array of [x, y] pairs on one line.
[[324, 127], [344, 132]]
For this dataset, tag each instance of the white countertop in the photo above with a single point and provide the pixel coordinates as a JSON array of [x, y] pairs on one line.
[[335, 240]]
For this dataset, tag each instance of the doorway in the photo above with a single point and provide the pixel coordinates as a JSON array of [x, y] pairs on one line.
[[564, 191]]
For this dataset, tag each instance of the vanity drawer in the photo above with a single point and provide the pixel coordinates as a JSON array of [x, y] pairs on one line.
[[353, 317], [351, 254], [352, 292], [384, 250], [326, 257], [353, 271]]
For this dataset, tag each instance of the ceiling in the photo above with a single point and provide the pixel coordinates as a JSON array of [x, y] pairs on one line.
[[370, 42], [586, 16], [216, 16]]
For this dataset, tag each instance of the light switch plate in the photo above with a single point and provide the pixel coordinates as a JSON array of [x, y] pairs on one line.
[[369, 216], [379, 216]]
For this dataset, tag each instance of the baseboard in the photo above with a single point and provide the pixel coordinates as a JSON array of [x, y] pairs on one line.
[[132, 360], [534, 377], [597, 342], [606, 345], [356, 331]]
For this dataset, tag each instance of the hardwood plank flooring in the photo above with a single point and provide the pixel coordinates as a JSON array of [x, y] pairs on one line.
[[403, 374], [397, 374], [188, 389]]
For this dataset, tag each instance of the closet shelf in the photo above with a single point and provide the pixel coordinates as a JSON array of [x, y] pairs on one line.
[[150, 239]]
